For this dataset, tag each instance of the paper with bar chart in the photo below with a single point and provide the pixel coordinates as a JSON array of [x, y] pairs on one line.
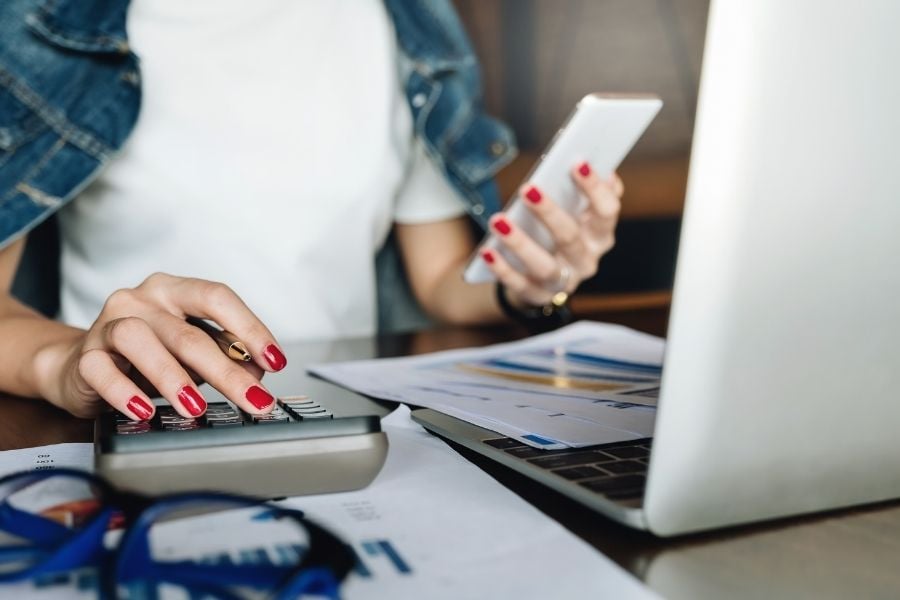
[[582, 385]]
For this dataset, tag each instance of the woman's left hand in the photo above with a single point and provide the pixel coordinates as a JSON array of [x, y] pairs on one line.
[[580, 241]]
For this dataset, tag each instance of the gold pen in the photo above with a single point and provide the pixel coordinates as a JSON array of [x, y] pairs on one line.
[[227, 341]]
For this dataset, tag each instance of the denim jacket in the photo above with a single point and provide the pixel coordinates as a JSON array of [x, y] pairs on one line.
[[70, 93]]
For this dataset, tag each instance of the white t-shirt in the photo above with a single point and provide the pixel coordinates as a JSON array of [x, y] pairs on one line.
[[273, 152]]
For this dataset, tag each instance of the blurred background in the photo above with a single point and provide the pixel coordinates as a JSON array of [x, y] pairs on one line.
[[539, 57]]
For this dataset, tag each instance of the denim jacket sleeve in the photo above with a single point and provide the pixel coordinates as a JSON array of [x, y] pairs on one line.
[[69, 97], [443, 88]]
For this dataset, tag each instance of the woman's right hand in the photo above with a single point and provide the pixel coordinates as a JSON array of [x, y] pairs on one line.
[[140, 345]]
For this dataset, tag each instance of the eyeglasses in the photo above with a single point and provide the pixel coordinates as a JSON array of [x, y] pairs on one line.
[[47, 546]]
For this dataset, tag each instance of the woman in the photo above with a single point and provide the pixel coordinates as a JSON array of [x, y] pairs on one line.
[[278, 145]]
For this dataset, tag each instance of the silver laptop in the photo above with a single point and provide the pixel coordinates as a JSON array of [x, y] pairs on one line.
[[781, 383]]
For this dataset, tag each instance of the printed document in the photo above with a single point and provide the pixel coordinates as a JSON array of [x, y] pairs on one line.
[[585, 384]]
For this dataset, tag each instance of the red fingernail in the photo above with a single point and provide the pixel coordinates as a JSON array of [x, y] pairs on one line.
[[488, 256], [502, 227], [192, 401], [533, 194], [141, 409], [275, 358], [259, 397], [584, 169]]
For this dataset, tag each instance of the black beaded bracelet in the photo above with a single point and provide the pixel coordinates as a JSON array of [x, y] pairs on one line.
[[539, 318]]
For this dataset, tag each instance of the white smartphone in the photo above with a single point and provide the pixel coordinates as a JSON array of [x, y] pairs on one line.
[[601, 130]]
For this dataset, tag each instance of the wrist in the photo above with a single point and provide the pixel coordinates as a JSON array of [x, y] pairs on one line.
[[48, 368], [536, 319]]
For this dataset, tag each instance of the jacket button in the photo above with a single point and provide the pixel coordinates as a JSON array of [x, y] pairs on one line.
[[477, 209], [132, 77], [498, 148], [419, 100]]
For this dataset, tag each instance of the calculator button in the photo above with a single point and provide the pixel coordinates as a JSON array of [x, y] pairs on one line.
[[181, 426], [275, 416], [229, 417], [300, 406], [294, 399], [226, 423], [319, 415], [132, 427], [221, 411], [266, 421], [175, 419], [303, 413], [132, 432]]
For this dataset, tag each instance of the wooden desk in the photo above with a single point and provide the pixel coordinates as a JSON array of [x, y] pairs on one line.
[[845, 554]]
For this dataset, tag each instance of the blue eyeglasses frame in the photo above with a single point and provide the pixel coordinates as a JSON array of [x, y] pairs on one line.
[[50, 547]]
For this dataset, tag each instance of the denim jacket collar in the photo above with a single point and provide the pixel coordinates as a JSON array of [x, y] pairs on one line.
[[431, 36], [96, 26]]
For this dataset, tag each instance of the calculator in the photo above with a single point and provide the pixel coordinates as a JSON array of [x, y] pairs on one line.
[[299, 448]]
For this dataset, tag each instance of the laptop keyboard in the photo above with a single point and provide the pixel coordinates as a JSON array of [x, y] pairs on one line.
[[617, 471]]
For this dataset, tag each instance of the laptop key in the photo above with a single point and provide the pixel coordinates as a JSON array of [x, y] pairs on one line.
[[625, 466], [503, 443], [574, 473], [625, 493], [628, 452], [610, 484], [569, 460], [525, 452]]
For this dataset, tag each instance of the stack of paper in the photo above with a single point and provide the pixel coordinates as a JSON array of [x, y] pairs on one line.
[[582, 385]]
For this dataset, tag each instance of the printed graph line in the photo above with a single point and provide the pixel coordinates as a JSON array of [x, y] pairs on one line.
[[555, 381], [518, 366], [611, 403], [384, 547], [604, 361]]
